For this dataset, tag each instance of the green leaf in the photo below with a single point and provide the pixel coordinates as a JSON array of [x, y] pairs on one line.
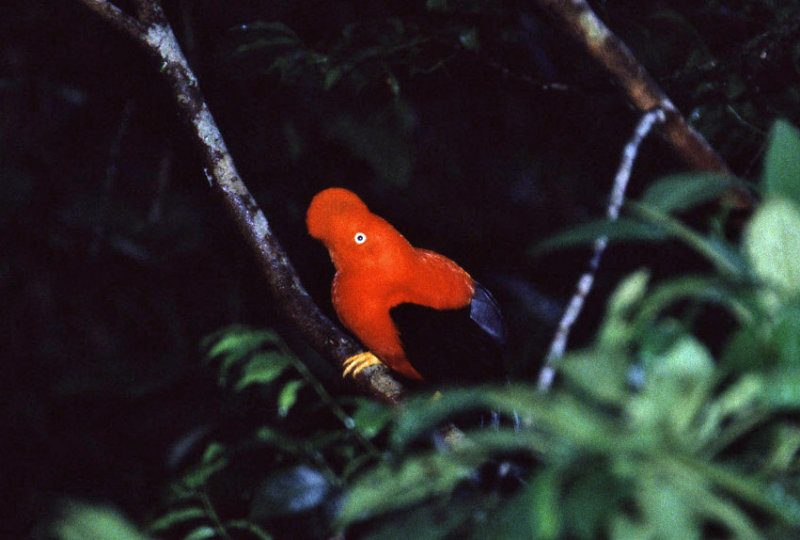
[[240, 339], [785, 448], [741, 397], [688, 358], [680, 382], [628, 294], [681, 192], [262, 368], [601, 376], [785, 337], [782, 162], [370, 417], [176, 516], [250, 527], [546, 513], [716, 250], [332, 76], [288, 396], [80, 521], [201, 533], [591, 498], [772, 244], [214, 460], [782, 388], [615, 331], [661, 336], [390, 487], [623, 229], [702, 288], [422, 413], [667, 508], [746, 350]]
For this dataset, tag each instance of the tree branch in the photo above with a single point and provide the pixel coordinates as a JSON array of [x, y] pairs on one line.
[[115, 16], [610, 52], [153, 32]]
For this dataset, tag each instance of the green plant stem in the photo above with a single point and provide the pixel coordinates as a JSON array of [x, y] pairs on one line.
[[212, 515], [329, 401], [676, 228]]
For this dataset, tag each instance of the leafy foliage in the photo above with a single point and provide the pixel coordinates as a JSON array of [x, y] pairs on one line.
[[678, 419], [653, 431], [282, 469]]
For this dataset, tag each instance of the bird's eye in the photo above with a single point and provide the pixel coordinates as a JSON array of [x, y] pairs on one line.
[[360, 238]]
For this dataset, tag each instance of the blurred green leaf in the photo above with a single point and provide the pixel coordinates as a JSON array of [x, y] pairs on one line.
[[724, 257], [543, 495], [782, 162], [627, 295], [370, 417], [81, 521], [175, 517], [785, 336], [288, 396], [785, 449], [709, 289], [782, 388], [615, 331], [772, 244], [680, 192], [747, 349], [688, 358], [412, 481], [591, 498], [332, 76], [201, 533], [238, 340], [622, 229], [262, 368], [666, 507], [214, 460], [601, 376]]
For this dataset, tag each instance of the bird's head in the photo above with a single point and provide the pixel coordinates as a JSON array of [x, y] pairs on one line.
[[356, 238]]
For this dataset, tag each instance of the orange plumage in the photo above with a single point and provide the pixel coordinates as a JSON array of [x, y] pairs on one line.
[[377, 270]]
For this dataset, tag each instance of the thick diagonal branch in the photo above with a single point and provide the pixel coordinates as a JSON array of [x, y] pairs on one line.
[[153, 31], [610, 52]]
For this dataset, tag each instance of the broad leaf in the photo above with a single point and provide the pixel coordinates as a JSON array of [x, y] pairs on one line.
[[681, 192], [772, 244], [782, 162]]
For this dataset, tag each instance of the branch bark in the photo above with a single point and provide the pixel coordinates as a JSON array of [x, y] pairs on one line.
[[152, 30], [577, 17]]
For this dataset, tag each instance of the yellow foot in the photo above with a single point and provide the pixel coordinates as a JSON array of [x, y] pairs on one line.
[[357, 362]]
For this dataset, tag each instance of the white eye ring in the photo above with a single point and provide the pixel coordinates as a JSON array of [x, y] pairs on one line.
[[360, 238]]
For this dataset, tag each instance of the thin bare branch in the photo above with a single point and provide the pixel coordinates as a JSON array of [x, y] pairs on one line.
[[155, 34], [584, 286], [643, 92]]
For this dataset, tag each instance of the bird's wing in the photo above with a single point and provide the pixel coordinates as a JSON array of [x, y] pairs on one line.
[[457, 345]]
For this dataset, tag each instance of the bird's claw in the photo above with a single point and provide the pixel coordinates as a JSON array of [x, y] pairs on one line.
[[353, 365]]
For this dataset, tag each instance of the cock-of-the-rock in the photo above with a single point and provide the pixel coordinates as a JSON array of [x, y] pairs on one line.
[[415, 310]]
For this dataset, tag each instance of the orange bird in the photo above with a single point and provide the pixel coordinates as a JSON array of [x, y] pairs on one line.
[[415, 310]]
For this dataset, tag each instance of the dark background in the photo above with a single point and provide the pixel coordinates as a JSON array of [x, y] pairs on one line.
[[477, 130]]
